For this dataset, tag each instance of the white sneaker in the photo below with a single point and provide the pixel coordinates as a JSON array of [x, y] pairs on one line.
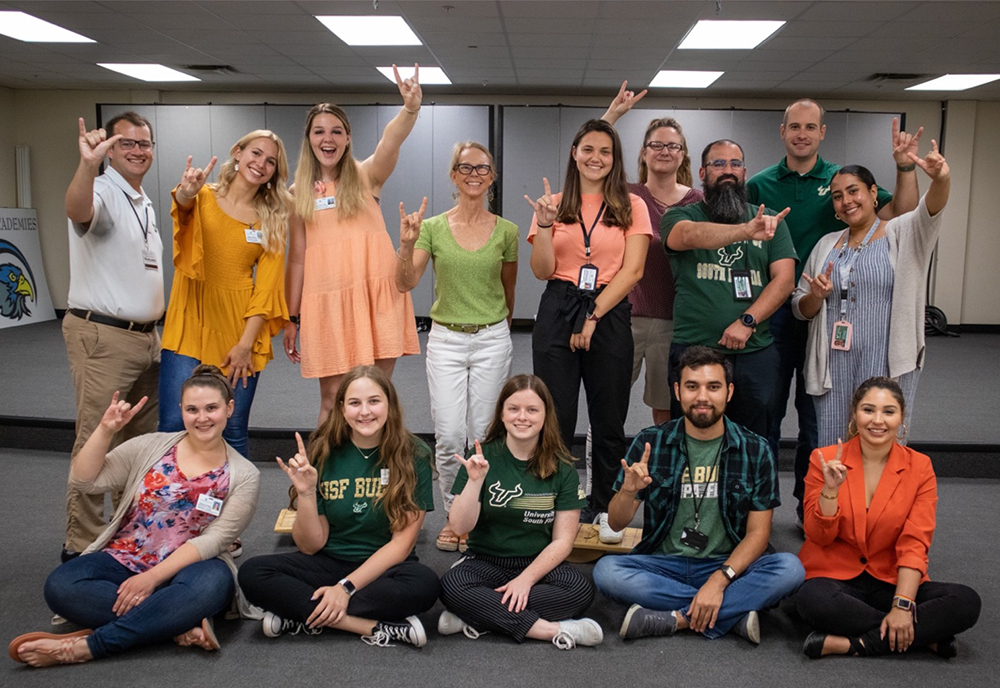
[[606, 534], [573, 632], [449, 624], [273, 626]]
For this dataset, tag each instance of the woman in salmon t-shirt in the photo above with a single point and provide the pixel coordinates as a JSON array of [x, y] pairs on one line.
[[589, 242]]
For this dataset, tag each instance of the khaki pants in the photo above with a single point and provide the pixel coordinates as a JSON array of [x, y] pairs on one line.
[[102, 360]]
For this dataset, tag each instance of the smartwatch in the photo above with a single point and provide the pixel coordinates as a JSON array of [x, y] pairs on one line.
[[728, 572], [749, 321], [593, 317], [903, 603], [348, 586]]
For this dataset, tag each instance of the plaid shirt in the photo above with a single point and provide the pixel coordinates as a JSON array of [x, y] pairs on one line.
[[747, 472]]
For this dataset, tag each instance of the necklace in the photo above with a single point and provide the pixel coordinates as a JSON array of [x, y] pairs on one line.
[[368, 455]]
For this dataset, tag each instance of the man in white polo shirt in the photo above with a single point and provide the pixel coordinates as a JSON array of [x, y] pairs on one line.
[[115, 296]]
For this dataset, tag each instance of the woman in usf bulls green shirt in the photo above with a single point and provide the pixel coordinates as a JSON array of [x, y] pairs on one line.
[[519, 498], [363, 485]]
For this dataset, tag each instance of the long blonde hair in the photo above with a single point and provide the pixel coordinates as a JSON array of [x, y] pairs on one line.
[[272, 200], [350, 186], [396, 450], [684, 171]]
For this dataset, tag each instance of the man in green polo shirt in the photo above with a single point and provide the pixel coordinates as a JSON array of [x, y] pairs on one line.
[[801, 181]]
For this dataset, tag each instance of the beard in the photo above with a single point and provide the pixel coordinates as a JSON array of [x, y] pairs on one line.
[[702, 420], [727, 203]]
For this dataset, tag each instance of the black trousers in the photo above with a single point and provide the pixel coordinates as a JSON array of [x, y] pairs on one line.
[[755, 378], [856, 607], [606, 373], [284, 584], [469, 591]]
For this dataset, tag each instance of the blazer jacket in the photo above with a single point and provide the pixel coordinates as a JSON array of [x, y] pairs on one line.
[[896, 530]]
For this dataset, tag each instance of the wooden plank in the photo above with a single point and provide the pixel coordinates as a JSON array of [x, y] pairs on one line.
[[286, 519]]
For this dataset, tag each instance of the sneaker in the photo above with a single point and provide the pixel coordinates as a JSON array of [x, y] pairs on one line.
[[236, 548], [410, 631], [586, 632], [641, 622], [606, 534], [274, 626], [748, 627], [449, 624]]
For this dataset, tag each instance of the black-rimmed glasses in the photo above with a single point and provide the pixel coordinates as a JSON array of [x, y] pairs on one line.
[[721, 164], [129, 144], [466, 168], [658, 146]]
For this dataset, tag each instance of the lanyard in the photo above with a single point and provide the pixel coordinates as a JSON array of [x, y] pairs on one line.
[[583, 228], [696, 503], [145, 207], [846, 266]]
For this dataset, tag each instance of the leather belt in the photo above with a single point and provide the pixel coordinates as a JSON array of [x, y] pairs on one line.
[[129, 325], [468, 329]]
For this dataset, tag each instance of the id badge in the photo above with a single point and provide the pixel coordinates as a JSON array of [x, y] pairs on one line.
[[842, 332], [209, 504], [149, 259], [588, 277], [741, 285], [694, 538], [254, 236], [385, 476], [325, 202]]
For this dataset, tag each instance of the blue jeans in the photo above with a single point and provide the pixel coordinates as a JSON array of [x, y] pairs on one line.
[[174, 370], [669, 583], [790, 336], [84, 591]]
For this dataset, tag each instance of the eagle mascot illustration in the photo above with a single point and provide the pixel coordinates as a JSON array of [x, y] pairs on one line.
[[15, 286]]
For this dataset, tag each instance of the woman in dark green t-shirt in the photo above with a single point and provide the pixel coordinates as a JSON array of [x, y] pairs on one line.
[[363, 486], [519, 499]]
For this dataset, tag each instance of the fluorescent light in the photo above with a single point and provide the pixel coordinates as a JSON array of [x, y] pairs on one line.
[[147, 72], [955, 82], [728, 35], [684, 79], [30, 29], [355, 30], [429, 76]]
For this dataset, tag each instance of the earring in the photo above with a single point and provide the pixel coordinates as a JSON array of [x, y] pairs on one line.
[[902, 436], [236, 167], [876, 202], [269, 185], [852, 428], [837, 215]]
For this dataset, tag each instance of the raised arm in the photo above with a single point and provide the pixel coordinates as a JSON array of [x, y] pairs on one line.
[[310, 531], [94, 146], [937, 169], [465, 509], [192, 180], [410, 262], [687, 234], [543, 257], [906, 194], [622, 103], [87, 464], [382, 162]]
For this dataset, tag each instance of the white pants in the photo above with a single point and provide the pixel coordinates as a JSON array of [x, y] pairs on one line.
[[465, 373]]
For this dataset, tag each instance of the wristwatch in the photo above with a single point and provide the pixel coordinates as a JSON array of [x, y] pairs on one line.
[[593, 318], [749, 321], [729, 572], [348, 586], [903, 603]]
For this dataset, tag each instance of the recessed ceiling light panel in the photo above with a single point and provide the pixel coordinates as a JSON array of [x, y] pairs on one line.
[[30, 29], [728, 35], [429, 76], [684, 79], [355, 30], [955, 82], [147, 72]]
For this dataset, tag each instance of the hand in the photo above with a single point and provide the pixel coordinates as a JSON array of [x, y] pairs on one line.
[[636, 476], [194, 178], [332, 606], [119, 413], [288, 341], [409, 225], [763, 227], [410, 89], [581, 340], [515, 593], [240, 364], [133, 592], [736, 335], [300, 472], [934, 164], [622, 103], [834, 472], [545, 209], [94, 145], [704, 609], [820, 286], [476, 465], [903, 144], [898, 626]]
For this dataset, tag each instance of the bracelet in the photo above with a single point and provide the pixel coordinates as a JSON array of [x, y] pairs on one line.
[[306, 494], [906, 168], [412, 112], [400, 255], [294, 319], [543, 226], [824, 495]]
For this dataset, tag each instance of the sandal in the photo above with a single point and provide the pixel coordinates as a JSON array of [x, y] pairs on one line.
[[447, 540], [61, 654], [202, 636], [463, 543]]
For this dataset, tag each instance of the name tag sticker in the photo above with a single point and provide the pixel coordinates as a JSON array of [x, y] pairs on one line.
[[209, 504], [254, 236], [385, 476], [326, 202]]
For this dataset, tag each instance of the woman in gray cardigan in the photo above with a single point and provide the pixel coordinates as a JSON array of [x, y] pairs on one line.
[[161, 569], [863, 291]]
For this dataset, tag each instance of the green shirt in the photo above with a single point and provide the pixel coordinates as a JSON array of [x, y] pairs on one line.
[[467, 286], [704, 456], [518, 509], [808, 195], [705, 304], [347, 495]]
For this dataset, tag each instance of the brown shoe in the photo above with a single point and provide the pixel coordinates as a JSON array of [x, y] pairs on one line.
[[447, 539]]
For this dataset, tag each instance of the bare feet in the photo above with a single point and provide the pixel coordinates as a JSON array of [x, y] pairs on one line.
[[200, 636], [47, 649]]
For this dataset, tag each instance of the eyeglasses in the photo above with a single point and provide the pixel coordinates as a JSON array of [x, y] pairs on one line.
[[129, 144], [466, 168], [721, 164], [660, 145]]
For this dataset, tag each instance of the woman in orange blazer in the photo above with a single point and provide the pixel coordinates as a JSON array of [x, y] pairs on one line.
[[869, 520]]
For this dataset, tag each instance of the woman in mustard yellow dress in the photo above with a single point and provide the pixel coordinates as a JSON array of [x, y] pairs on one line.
[[227, 299]]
